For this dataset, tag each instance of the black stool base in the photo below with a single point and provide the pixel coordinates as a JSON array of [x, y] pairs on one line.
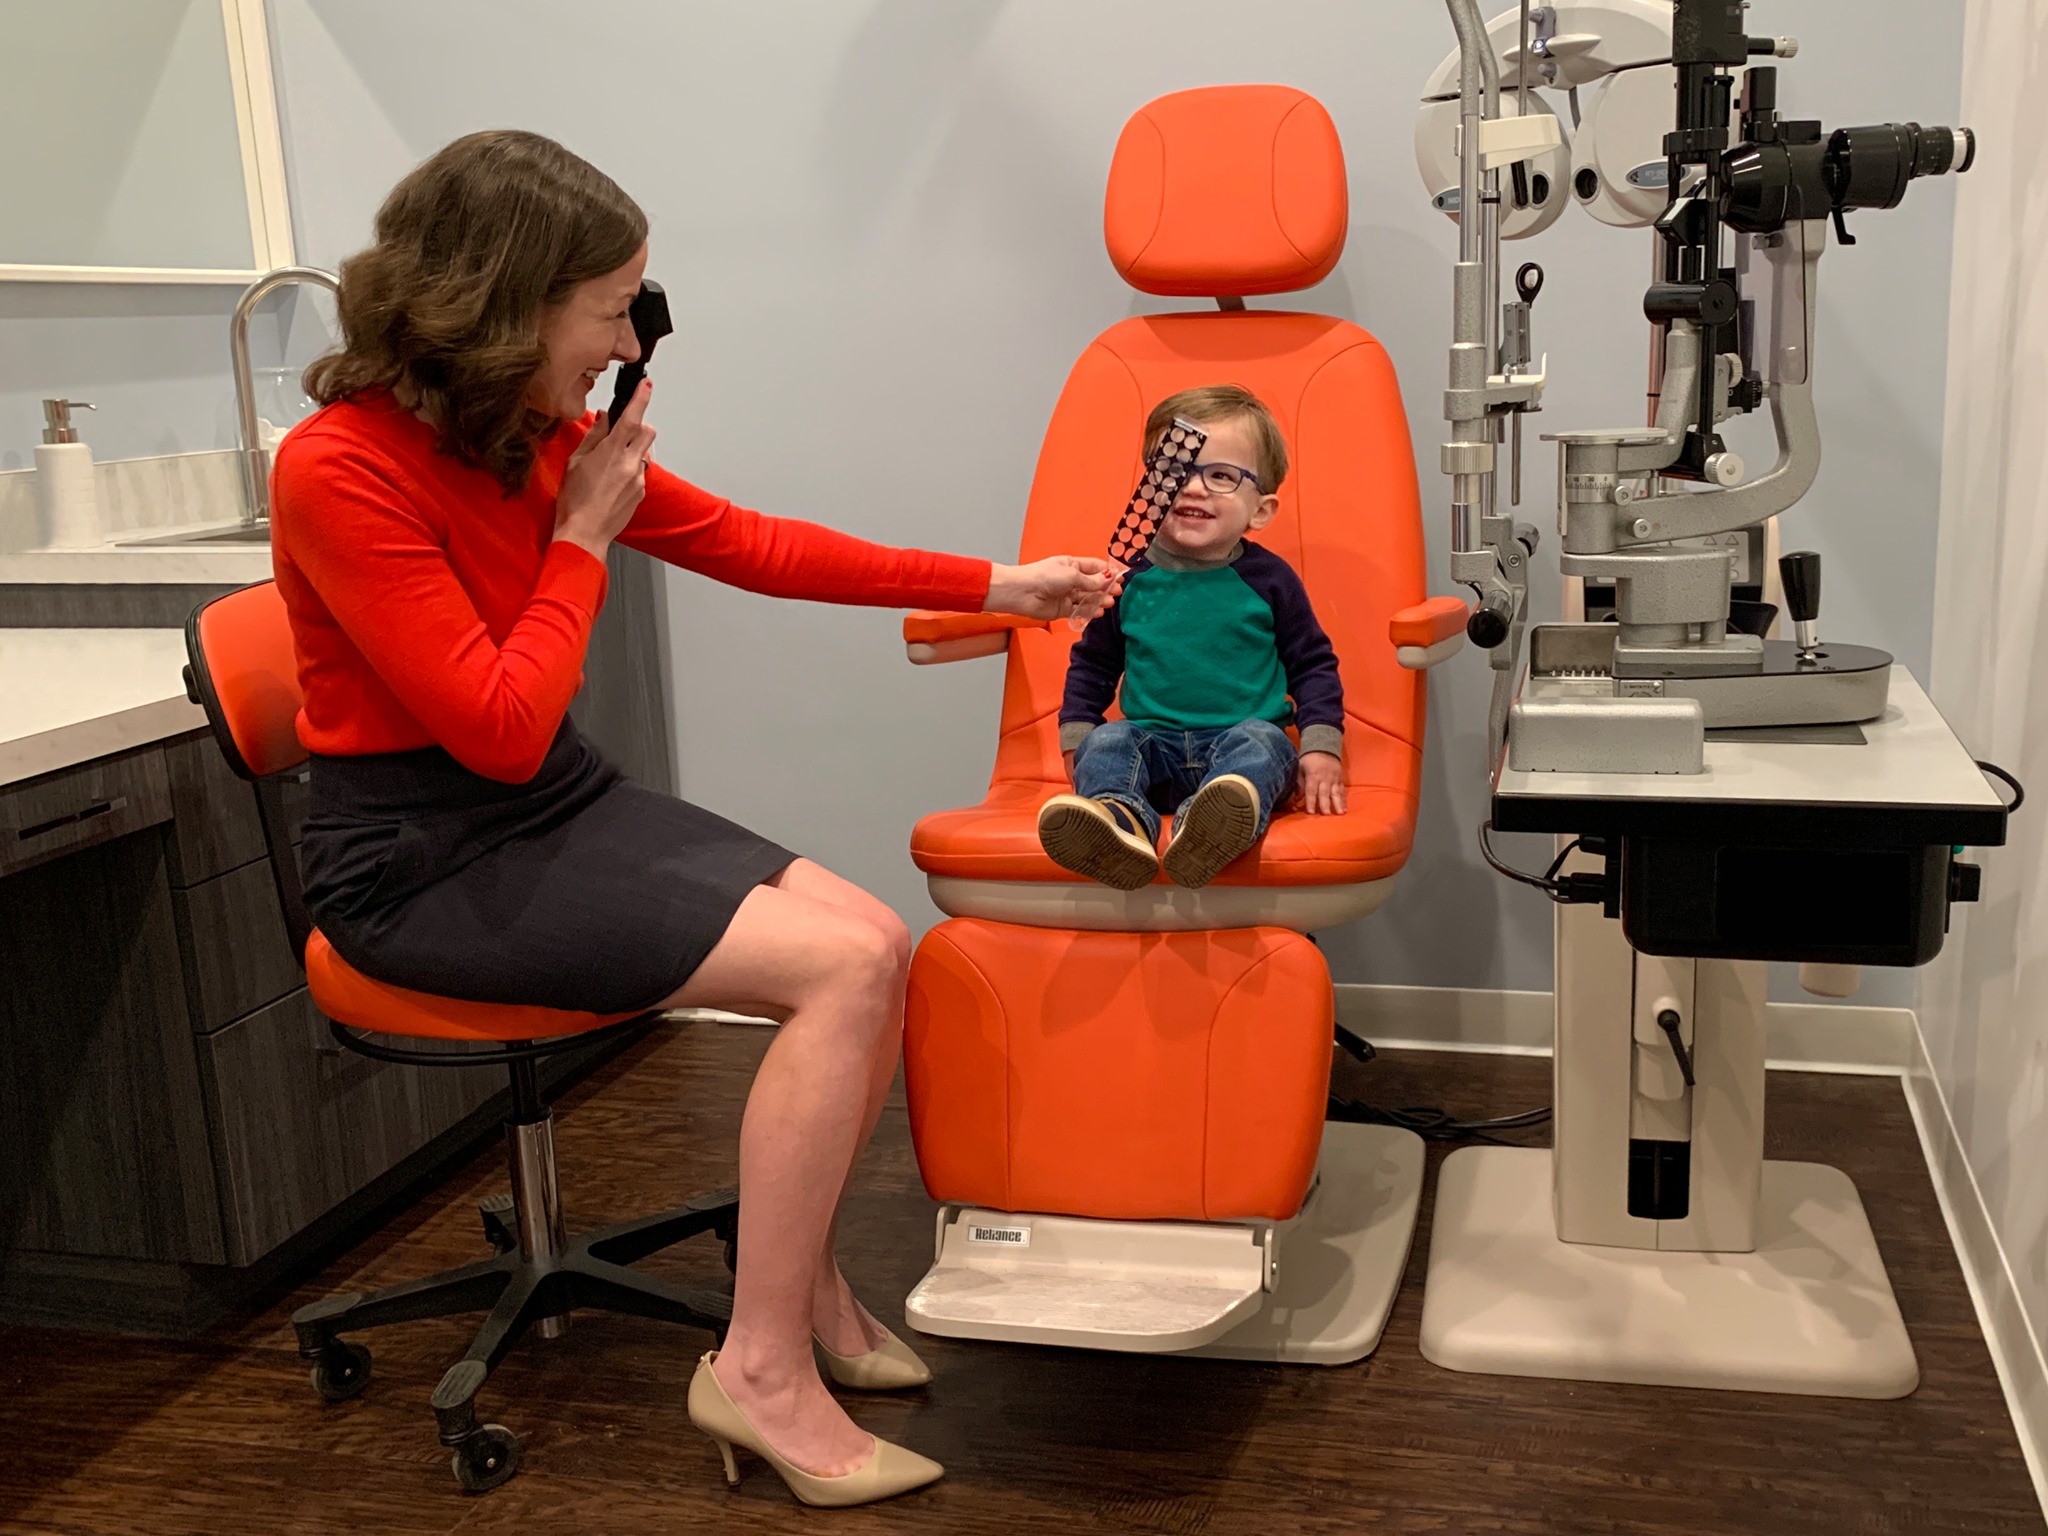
[[518, 1291]]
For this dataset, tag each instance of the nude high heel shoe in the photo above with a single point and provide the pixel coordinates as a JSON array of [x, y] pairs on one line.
[[890, 1471], [892, 1368]]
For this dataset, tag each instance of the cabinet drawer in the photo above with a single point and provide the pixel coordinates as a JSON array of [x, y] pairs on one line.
[[300, 1124], [81, 807], [237, 954], [217, 826]]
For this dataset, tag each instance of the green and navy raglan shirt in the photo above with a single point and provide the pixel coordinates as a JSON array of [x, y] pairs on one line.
[[1203, 644]]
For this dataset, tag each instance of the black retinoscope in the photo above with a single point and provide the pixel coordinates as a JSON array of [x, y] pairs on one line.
[[649, 314]]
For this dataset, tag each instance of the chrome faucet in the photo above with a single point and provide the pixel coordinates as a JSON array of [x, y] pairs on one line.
[[256, 457]]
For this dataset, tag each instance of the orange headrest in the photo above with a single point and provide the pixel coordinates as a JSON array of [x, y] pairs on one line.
[[1229, 189]]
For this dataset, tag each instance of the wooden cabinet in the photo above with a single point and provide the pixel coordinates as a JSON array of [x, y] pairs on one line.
[[214, 813], [169, 1095], [129, 1137], [302, 1124], [238, 957], [104, 1142], [64, 813], [173, 1109]]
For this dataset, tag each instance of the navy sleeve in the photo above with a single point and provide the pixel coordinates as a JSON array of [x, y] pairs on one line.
[[1095, 666], [1305, 651]]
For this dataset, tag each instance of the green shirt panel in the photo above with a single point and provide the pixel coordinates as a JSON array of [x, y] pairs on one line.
[[1199, 651]]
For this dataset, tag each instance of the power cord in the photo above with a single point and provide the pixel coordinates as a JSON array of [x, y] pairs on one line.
[[1430, 1123], [1433, 1124], [2019, 791], [1565, 890]]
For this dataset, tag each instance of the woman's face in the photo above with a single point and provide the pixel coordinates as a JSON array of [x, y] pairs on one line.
[[584, 335]]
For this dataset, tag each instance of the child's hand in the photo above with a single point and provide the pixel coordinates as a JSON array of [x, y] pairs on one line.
[[1069, 759], [1320, 779]]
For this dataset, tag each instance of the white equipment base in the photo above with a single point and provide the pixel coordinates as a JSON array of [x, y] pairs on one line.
[[1810, 1311], [1315, 1290]]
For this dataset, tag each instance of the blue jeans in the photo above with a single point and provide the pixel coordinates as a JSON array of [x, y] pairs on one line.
[[1149, 770]]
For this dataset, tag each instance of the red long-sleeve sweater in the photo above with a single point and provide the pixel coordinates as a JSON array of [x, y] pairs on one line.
[[428, 608]]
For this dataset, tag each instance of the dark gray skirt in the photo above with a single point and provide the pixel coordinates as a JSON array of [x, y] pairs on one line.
[[577, 889]]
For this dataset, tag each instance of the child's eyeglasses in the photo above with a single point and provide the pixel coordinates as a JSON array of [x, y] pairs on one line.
[[1225, 478]]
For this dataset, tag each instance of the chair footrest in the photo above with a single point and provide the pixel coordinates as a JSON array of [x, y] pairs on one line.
[[1329, 1276], [1129, 1285]]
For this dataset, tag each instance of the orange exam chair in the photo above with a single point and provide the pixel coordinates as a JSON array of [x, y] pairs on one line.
[[1118, 1097]]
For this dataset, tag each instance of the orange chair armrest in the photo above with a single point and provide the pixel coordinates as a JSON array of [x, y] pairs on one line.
[[930, 627], [1429, 623]]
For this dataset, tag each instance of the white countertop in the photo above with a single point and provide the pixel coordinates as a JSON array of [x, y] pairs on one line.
[[1911, 758], [231, 565], [68, 696]]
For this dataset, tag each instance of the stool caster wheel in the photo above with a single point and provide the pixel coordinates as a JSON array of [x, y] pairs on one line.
[[340, 1370], [500, 1223], [486, 1459]]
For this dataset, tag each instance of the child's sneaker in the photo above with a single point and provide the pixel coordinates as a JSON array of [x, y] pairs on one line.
[[1097, 838], [1221, 822]]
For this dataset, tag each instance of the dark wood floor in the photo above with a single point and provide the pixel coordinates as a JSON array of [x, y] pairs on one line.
[[223, 1435]]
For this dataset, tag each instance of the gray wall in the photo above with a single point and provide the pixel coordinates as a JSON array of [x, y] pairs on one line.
[[880, 225], [1984, 1001]]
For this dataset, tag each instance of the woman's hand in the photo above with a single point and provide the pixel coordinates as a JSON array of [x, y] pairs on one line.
[[606, 477], [1320, 781], [1066, 586]]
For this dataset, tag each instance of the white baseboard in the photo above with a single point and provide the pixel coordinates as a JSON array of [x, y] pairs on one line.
[[2015, 1348], [1447, 1018], [1804, 1037], [1811, 1037]]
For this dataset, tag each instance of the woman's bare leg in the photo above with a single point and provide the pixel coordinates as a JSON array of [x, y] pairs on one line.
[[839, 977], [837, 1316]]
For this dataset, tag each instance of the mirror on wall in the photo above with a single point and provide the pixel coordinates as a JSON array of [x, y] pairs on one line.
[[139, 142]]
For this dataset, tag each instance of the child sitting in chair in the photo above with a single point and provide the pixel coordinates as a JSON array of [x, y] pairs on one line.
[[1209, 640]]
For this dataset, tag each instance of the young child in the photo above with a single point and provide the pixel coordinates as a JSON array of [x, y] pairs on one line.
[[1209, 640]]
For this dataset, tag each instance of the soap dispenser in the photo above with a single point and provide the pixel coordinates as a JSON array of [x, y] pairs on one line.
[[66, 496]]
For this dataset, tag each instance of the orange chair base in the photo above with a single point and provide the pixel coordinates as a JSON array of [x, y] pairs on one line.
[[349, 997], [1134, 1076]]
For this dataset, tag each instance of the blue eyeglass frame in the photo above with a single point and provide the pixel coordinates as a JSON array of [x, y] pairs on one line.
[[1200, 469]]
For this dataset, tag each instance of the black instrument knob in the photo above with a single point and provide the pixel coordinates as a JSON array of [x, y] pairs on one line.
[[1488, 626], [1712, 303], [1800, 571]]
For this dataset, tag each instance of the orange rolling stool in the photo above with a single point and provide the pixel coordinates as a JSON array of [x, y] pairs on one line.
[[1119, 1097], [244, 674]]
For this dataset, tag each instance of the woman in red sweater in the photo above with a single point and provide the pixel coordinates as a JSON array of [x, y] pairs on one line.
[[440, 536]]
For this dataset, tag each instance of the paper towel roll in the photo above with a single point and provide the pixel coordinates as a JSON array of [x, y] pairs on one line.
[[66, 497]]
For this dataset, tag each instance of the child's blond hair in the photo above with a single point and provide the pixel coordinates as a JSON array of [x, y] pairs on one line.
[[1226, 402]]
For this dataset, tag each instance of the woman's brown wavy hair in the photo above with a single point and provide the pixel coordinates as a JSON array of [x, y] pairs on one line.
[[444, 310]]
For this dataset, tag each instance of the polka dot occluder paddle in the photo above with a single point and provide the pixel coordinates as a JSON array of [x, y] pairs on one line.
[[1166, 471]]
